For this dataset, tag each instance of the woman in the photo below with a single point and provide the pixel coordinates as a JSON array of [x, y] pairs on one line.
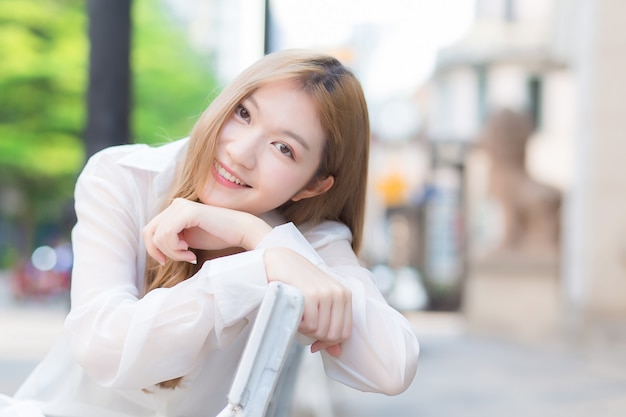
[[174, 247]]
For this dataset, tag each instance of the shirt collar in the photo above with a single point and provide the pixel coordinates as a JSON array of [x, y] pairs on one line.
[[161, 160], [158, 158]]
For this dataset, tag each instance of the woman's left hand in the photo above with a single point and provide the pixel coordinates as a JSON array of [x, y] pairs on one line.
[[327, 315]]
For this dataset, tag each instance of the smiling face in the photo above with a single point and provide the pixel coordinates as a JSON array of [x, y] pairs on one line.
[[268, 152]]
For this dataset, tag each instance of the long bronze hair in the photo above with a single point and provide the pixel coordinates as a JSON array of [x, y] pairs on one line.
[[343, 114]]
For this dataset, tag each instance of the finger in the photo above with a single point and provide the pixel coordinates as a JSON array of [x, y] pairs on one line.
[[156, 254], [166, 239], [333, 349], [324, 318], [338, 317], [347, 320], [159, 256], [151, 248], [182, 243], [181, 251], [184, 255], [308, 325], [172, 247]]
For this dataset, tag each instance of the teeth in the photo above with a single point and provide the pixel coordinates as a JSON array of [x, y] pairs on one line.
[[225, 174]]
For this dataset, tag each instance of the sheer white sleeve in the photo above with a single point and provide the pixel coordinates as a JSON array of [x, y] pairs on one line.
[[381, 353], [126, 341]]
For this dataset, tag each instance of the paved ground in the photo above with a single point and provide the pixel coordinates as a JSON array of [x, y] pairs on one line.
[[460, 374], [472, 376], [28, 329]]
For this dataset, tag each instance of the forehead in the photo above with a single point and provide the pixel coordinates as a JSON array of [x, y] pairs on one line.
[[280, 90], [285, 104]]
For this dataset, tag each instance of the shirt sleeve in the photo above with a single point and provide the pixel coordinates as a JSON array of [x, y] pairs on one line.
[[382, 351], [127, 341]]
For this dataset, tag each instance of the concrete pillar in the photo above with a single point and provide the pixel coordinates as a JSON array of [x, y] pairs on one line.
[[595, 222]]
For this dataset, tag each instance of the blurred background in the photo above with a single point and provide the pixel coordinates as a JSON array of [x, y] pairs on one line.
[[498, 162]]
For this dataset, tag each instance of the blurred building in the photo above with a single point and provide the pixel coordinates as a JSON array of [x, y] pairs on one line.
[[232, 31], [559, 63], [556, 61], [592, 41]]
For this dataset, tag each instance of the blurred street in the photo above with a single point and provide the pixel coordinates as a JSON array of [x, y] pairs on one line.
[[29, 328], [466, 375], [460, 373]]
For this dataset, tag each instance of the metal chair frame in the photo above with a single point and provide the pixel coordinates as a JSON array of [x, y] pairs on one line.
[[264, 382]]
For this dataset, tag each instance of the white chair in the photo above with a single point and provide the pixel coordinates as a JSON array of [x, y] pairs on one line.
[[263, 385]]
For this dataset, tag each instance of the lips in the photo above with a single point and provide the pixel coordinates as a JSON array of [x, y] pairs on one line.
[[228, 176]]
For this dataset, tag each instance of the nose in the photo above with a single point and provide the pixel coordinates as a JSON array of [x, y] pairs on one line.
[[242, 150]]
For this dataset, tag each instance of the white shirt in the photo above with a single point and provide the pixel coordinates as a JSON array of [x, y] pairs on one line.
[[119, 342]]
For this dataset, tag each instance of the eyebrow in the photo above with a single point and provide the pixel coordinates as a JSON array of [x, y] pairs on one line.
[[289, 133]]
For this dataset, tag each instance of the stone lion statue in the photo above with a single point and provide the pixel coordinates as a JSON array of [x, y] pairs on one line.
[[531, 209]]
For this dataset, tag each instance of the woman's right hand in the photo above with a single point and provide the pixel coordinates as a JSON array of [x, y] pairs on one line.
[[186, 224]]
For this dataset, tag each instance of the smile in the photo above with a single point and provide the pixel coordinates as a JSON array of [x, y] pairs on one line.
[[228, 176]]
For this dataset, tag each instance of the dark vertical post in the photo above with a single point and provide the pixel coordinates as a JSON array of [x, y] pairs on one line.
[[267, 44], [108, 96]]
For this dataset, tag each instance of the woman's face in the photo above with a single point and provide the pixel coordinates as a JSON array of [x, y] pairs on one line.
[[268, 151]]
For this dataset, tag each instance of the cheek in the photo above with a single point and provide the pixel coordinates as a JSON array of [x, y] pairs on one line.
[[285, 183], [228, 127], [228, 131], [206, 189]]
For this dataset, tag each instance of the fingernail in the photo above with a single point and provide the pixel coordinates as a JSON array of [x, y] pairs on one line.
[[195, 261]]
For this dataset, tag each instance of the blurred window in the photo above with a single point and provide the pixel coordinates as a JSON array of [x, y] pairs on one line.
[[481, 73], [535, 93]]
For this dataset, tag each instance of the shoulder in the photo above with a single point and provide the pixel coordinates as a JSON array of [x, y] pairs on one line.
[[136, 171], [137, 164], [139, 156], [325, 233]]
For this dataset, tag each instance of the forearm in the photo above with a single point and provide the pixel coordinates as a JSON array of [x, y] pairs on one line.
[[382, 351], [130, 343], [124, 343]]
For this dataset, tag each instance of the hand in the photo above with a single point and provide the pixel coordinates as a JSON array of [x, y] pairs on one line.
[[186, 224], [327, 315]]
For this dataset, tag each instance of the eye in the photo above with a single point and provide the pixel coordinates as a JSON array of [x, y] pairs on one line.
[[242, 112], [284, 149]]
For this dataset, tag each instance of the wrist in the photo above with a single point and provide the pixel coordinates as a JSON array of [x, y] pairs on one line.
[[256, 231]]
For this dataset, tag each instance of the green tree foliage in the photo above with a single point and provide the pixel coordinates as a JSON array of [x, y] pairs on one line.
[[172, 85], [42, 77], [43, 73]]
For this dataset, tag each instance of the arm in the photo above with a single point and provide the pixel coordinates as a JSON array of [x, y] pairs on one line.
[[184, 224], [376, 352], [126, 341], [381, 351]]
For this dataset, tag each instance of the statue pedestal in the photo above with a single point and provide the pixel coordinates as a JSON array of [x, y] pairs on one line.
[[513, 296]]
